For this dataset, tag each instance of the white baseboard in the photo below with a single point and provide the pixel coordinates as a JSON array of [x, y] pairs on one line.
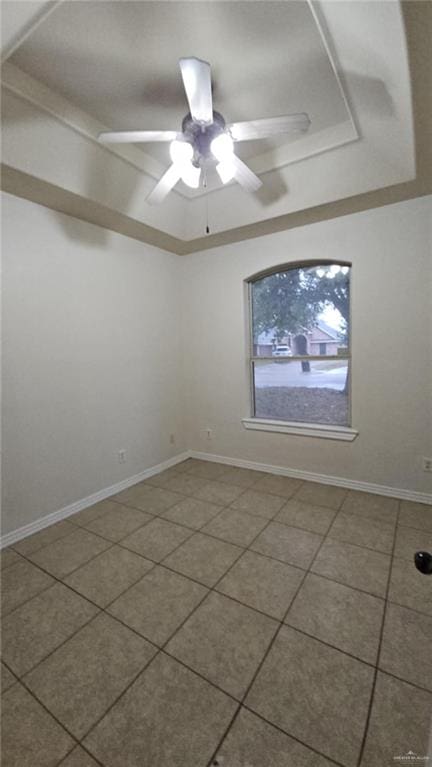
[[325, 479], [56, 516]]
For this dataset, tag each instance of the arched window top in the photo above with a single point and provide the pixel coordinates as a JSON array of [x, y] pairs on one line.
[[300, 317], [293, 300], [295, 265]]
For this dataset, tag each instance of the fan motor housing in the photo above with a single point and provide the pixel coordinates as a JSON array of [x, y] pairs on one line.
[[201, 136]]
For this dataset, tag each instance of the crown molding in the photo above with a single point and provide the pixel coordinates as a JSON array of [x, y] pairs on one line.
[[57, 198]]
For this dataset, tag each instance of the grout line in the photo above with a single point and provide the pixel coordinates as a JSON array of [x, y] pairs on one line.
[[264, 658], [407, 607], [42, 546], [163, 649], [292, 737], [29, 599], [372, 694], [75, 746], [243, 550]]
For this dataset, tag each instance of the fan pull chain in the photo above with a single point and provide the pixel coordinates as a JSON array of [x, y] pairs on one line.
[[206, 201]]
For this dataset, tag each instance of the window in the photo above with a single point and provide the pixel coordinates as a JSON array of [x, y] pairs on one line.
[[299, 316]]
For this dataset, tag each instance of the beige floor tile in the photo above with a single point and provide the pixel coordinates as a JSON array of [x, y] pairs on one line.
[[30, 736], [400, 723], [47, 535], [224, 641], [363, 532], [36, 628], [82, 678], [208, 469], [117, 524], [106, 576], [409, 587], [187, 465], [378, 508], [185, 484], [78, 758], [273, 483], [321, 495], [316, 519], [20, 583], [218, 492], [157, 539], [406, 646], [158, 604], [251, 742], [235, 526], [354, 566], [409, 540], [7, 679], [154, 500], [9, 557], [315, 693], [62, 557], [85, 516], [160, 480], [176, 718], [259, 504], [343, 617], [203, 558], [416, 515], [240, 477], [262, 583], [192, 513], [289, 544]]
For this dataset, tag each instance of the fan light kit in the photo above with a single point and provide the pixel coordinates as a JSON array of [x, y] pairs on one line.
[[205, 138]]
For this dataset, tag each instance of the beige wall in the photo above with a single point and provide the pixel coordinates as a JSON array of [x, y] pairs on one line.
[[90, 359], [110, 344], [390, 250]]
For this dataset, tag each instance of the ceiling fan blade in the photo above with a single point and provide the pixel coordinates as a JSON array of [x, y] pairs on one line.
[[243, 174], [165, 184], [137, 136], [196, 76], [269, 126]]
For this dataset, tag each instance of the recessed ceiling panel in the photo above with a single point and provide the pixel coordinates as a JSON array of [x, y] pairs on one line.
[[118, 61]]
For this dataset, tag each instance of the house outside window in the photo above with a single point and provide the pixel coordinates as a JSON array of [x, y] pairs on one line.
[[299, 315]]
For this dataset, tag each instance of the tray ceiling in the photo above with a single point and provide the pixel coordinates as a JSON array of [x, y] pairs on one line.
[[75, 68], [118, 61]]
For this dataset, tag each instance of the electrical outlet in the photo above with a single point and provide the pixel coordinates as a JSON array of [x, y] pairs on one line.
[[209, 433], [122, 456], [172, 439], [427, 464]]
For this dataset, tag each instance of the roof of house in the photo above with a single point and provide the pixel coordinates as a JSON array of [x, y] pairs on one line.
[[332, 332]]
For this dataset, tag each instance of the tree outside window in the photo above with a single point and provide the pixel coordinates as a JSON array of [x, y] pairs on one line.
[[300, 328]]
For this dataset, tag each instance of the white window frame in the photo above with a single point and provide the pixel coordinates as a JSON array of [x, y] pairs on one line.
[[324, 431]]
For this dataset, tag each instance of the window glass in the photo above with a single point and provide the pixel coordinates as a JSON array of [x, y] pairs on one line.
[[299, 316]]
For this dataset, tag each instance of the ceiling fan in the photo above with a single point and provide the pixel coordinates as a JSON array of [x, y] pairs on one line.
[[206, 138]]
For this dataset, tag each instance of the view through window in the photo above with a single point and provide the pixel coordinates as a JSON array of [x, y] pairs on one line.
[[300, 355]]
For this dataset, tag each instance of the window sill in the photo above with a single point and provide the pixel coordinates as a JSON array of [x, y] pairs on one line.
[[323, 431]]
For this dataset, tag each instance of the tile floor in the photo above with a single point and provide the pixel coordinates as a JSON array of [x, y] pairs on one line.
[[213, 615]]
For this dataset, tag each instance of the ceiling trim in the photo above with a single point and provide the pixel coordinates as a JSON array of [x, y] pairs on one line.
[[57, 198], [418, 25], [29, 28], [39, 95]]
